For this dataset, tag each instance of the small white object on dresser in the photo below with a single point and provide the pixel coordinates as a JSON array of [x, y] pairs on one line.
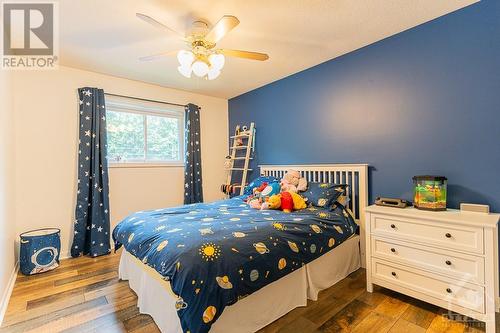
[[447, 258]]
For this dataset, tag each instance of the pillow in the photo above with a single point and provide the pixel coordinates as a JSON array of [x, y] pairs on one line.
[[323, 194], [258, 181]]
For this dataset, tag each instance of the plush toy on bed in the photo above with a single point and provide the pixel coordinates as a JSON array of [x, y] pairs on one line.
[[261, 193], [286, 201], [293, 182]]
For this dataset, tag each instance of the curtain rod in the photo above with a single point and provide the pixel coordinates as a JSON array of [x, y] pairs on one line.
[[144, 99]]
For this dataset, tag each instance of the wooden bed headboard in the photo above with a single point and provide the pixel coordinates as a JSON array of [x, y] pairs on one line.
[[354, 175]]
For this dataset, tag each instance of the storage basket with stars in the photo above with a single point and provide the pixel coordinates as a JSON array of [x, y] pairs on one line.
[[40, 250]]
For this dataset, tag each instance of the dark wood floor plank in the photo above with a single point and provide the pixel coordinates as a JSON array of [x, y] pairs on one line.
[[420, 313], [301, 324], [323, 310], [392, 307], [285, 320], [403, 326], [151, 328], [374, 323], [137, 322], [442, 324], [347, 318]]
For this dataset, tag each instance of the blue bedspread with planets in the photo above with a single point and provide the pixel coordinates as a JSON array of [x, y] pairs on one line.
[[216, 253]]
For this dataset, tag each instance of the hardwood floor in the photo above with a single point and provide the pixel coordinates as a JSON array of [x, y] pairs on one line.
[[85, 295]]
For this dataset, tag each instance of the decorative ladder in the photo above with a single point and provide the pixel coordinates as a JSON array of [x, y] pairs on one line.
[[247, 147]]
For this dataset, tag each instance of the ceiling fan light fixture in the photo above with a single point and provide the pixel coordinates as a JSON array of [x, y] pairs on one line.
[[185, 58], [203, 58], [185, 71], [217, 60], [213, 73], [200, 68]]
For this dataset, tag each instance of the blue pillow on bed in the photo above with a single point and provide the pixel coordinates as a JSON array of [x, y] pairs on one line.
[[323, 194], [258, 181]]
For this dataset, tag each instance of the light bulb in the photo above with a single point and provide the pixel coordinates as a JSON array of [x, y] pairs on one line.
[[185, 58], [200, 68], [217, 60], [213, 73], [185, 70]]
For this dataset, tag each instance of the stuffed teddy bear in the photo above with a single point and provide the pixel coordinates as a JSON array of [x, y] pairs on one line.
[[293, 182], [286, 201]]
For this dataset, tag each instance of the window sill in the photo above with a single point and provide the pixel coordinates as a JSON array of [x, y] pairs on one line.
[[146, 165]]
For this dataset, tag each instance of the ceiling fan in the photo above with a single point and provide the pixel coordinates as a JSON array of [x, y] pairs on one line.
[[203, 59]]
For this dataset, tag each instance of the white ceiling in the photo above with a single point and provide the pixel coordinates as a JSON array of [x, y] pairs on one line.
[[105, 36]]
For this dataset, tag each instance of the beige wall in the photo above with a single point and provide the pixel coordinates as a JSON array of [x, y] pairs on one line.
[[46, 119], [7, 222]]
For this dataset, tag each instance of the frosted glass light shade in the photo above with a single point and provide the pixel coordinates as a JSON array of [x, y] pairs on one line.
[[200, 68], [213, 73], [217, 60], [185, 70], [185, 58]]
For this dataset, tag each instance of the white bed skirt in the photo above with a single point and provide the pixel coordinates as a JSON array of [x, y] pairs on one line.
[[254, 312]]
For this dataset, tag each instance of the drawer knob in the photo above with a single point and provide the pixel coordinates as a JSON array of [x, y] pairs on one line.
[[393, 250], [393, 273], [393, 226], [448, 290], [448, 262], [448, 235]]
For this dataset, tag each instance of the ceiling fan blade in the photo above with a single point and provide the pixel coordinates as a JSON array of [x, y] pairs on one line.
[[156, 24], [221, 28], [157, 56], [244, 54]]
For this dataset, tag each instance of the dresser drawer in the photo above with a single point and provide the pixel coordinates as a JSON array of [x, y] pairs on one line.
[[464, 267], [462, 238], [459, 293]]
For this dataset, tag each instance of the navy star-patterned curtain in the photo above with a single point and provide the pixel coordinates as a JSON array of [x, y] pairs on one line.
[[91, 226], [193, 190]]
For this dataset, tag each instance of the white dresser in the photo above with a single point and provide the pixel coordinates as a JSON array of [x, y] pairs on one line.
[[447, 258]]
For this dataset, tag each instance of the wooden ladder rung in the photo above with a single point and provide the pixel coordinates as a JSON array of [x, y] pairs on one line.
[[246, 148]]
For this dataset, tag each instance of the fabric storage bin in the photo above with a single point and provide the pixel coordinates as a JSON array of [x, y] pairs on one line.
[[40, 250]]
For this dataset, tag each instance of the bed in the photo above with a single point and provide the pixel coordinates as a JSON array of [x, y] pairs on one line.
[[204, 267]]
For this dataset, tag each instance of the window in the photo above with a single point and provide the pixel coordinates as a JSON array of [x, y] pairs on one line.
[[144, 132]]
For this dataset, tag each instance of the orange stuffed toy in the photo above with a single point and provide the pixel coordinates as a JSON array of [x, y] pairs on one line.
[[285, 201]]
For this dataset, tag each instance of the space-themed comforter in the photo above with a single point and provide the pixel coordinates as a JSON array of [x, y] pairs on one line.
[[216, 253]]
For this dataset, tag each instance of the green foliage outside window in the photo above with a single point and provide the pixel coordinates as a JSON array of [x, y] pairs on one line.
[[138, 137]]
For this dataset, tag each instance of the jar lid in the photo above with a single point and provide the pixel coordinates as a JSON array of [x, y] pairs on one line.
[[428, 177]]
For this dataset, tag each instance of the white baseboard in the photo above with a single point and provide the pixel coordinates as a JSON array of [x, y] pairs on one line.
[[4, 301]]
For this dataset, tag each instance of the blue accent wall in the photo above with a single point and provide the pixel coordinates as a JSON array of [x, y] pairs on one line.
[[424, 101]]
